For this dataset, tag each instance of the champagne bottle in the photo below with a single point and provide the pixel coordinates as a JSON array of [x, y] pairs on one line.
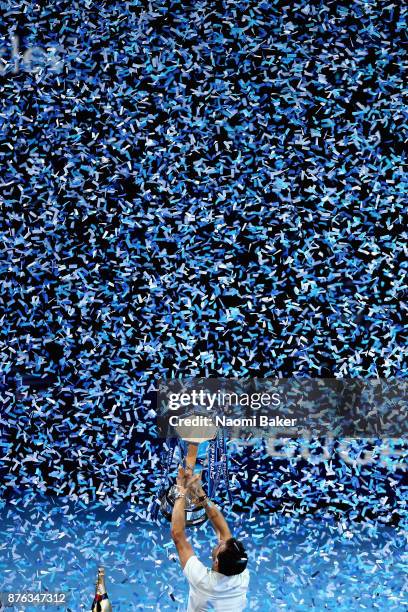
[[101, 601]]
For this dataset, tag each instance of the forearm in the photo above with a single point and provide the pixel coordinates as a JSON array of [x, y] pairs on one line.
[[178, 518], [218, 521], [178, 524]]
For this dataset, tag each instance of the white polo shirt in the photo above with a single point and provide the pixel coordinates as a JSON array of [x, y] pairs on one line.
[[210, 590]]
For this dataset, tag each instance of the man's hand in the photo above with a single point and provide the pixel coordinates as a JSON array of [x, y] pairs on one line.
[[194, 487], [189, 483], [194, 491]]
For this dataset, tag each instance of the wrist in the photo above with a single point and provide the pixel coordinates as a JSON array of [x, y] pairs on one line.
[[211, 509], [180, 492]]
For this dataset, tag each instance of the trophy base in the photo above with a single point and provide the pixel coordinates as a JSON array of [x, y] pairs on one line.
[[195, 515]]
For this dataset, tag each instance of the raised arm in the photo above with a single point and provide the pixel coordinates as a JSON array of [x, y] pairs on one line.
[[218, 521], [214, 514], [178, 521]]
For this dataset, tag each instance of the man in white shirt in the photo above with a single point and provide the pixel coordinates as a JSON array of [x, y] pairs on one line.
[[224, 586]]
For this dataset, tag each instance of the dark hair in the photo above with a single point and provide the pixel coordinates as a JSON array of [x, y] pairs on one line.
[[233, 559]]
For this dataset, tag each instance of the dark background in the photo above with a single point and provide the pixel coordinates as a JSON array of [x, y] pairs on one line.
[[211, 189]]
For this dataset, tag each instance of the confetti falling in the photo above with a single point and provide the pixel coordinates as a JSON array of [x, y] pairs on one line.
[[205, 190], [299, 564]]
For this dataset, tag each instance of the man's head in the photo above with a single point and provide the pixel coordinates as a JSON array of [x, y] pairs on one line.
[[229, 558]]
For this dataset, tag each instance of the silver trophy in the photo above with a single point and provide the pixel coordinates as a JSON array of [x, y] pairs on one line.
[[192, 436]]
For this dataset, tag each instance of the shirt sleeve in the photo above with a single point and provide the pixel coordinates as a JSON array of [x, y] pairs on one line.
[[194, 570]]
